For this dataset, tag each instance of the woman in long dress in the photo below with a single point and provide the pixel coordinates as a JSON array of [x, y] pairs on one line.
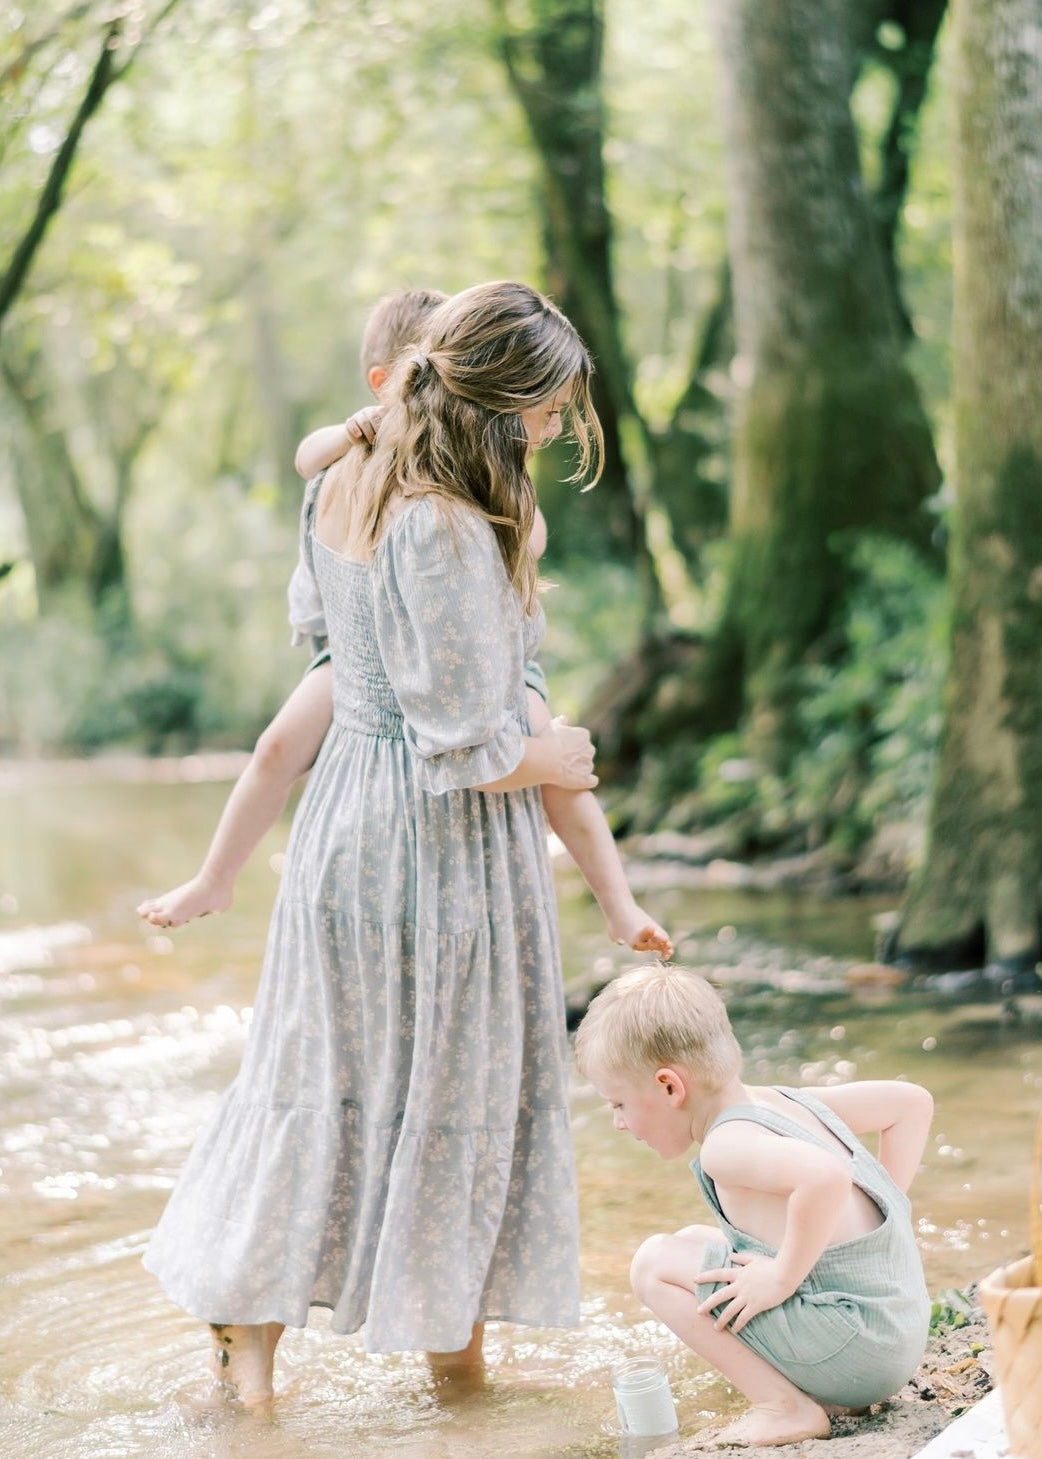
[[396, 1145]]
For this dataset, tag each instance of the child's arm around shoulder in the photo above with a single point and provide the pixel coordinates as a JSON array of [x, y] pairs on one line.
[[899, 1111], [327, 444]]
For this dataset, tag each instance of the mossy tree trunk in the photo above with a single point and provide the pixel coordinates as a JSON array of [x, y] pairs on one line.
[[75, 544], [552, 50], [830, 435], [913, 27], [977, 894]]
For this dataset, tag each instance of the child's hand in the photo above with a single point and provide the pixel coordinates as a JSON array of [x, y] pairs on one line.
[[196, 898], [361, 427], [637, 930], [754, 1284]]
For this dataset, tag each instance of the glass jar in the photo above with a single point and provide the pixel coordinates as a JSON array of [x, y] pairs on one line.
[[643, 1399]]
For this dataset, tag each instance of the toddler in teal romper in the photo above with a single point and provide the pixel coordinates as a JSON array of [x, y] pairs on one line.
[[808, 1295], [855, 1329]]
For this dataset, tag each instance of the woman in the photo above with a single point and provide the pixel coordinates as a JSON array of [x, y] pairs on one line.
[[396, 1144]]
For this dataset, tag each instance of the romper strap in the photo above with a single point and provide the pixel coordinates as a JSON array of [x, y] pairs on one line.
[[784, 1125], [828, 1117]]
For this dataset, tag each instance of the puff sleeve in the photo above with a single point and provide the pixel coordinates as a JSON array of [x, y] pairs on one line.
[[449, 629]]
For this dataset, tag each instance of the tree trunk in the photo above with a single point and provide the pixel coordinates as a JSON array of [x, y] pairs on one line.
[[72, 543], [830, 435], [978, 891], [910, 64], [553, 62]]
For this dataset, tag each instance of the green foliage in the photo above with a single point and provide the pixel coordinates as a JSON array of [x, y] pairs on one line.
[[206, 660], [259, 178], [949, 1310], [592, 622], [868, 721], [871, 725]]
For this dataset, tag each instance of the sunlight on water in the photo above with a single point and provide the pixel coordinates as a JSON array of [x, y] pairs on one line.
[[115, 1043]]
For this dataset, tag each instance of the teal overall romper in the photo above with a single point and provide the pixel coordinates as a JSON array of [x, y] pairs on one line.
[[855, 1329]]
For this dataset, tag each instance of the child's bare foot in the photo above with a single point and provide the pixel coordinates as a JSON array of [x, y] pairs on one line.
[[637, 930], [196, 898], [244, 1359], [776, 1423]]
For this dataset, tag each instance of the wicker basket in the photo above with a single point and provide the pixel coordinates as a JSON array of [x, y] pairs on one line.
[[1012, 1302]]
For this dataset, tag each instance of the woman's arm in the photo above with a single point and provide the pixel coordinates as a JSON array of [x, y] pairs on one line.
[[562, 755]]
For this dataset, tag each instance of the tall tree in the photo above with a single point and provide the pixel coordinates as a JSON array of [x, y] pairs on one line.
[[830, 437], [978, 893], [70, 539], [553, 51]]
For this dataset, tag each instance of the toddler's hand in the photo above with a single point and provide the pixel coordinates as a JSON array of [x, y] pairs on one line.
[[574, 755], [361, 427], [754, 1285], [637, 930]]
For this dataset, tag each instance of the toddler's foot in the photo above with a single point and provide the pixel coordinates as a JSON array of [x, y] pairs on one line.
[[196, 898], [782, 1423], [244, 1359]]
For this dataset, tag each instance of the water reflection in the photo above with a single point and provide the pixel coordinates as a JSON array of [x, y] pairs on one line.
[[114, 1044]]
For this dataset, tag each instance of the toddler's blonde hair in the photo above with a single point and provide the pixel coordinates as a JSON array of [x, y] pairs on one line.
[[395, 321], [452, 425], [656, 1016]]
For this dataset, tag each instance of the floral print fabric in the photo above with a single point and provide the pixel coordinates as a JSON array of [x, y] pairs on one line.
[[396, 1146]]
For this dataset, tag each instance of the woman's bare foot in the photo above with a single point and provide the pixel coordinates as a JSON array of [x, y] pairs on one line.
[[776, 1423], [464, 1370], [244, 1359], [196, 898]]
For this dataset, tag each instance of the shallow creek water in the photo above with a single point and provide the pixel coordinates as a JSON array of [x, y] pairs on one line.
[[115, 1043]]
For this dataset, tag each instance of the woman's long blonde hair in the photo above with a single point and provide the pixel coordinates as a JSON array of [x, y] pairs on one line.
[[452, 425]]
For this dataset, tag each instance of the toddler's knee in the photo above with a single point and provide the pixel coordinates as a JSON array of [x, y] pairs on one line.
[[647, 1265], [271, 752]]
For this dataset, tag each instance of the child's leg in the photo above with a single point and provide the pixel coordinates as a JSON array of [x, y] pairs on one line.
[[244, 1359], [664, 1275], [577, 819], [285, 750]]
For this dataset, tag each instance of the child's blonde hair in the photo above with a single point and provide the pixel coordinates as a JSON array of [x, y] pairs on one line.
[[452, 425], [395, 321], [656, 1016]]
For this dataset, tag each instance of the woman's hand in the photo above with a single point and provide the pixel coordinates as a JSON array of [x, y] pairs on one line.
[[574, 755]]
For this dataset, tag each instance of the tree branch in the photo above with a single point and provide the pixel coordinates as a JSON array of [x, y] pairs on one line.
[[50, 198], [105, 73]]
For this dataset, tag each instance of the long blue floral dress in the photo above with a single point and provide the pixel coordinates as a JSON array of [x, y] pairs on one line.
[[396, 1146]]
